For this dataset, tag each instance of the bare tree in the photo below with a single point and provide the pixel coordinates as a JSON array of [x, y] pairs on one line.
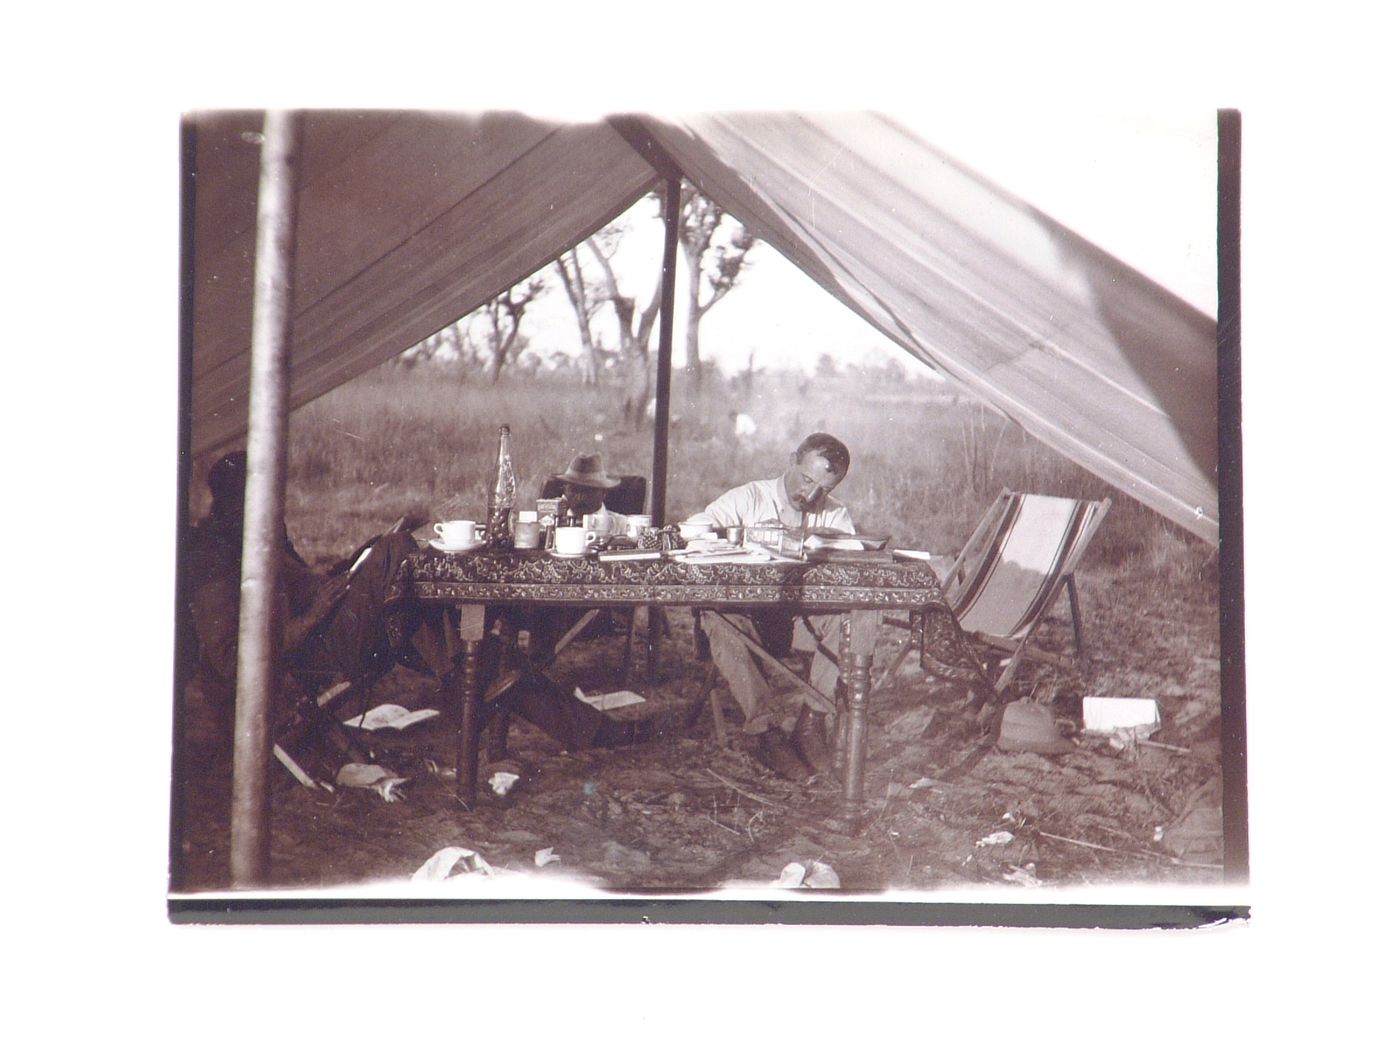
[[585, 303], [634, 330], [445, 345], [495, 335], [715, 252], [487, 338]]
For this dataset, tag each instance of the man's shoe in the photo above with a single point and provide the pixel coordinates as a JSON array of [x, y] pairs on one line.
[[777, 753], [809, 739]]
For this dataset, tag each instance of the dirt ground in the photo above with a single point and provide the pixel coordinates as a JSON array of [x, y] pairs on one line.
[[943, 808]]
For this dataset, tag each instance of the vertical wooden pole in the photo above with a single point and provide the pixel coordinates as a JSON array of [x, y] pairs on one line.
[[186, 642], [259, 626], [1234, 758], [661, 435]]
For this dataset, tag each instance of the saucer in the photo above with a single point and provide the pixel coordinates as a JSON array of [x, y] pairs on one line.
[[438, 545], [567, 557]]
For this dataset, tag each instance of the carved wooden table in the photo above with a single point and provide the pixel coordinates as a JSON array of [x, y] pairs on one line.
[[860, 592]]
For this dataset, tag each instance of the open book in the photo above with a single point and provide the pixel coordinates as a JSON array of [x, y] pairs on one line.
[[855, 542], [390, 716]]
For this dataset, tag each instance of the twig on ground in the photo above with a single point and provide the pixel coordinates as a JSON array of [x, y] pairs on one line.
[[726, 827], [1131, 852], [1166, 747], [735, 787], [749, 827], [1114, 831]]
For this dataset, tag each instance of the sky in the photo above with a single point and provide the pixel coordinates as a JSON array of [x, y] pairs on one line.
[[1141, 185]]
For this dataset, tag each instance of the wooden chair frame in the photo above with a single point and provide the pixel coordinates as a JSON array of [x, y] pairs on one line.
[[979, 554]]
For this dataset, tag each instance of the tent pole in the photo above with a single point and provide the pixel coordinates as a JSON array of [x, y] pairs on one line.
[[259, 626], [661, 435], [661, 438]]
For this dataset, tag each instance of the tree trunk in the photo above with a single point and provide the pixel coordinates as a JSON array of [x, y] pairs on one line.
[[693, 315], [571, 275]]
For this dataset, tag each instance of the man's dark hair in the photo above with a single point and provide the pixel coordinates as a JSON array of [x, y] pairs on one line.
[[227, 478], [835, 453]]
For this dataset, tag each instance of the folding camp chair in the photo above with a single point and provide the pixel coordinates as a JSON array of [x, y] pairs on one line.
[[324, 687], [1010, 573]]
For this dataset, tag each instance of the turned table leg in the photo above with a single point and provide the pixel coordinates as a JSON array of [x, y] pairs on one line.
[[472, 631], [860, 650]]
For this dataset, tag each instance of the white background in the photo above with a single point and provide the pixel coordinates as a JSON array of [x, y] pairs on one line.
[[91, 182]]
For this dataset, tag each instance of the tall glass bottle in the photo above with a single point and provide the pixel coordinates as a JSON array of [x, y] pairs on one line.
[[500, 500]]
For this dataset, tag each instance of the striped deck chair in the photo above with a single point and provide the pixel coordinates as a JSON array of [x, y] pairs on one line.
[[1011, 572]]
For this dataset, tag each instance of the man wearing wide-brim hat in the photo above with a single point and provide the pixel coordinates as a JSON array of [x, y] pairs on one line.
[[586, 485]]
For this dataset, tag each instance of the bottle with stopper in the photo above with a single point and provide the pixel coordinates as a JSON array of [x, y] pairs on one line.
[[500, 499]]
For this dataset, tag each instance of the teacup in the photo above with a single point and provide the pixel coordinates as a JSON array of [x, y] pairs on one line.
[[573, 539], [458, 535], [695, 529], [636, 523]]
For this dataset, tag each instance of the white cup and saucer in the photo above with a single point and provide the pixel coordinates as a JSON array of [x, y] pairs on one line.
[[696, 529], [572, 541], [455, 537]]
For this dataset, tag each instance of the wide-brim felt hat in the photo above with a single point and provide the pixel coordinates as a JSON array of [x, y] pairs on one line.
[[587, 469], [1027, 726]]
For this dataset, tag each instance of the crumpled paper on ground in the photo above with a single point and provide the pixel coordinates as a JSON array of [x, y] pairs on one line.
[[814, 875], [501, 782], [451, 863], [384, 781], [1022, 876]]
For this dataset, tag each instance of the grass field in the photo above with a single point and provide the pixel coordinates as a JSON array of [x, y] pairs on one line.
[[925, 466]]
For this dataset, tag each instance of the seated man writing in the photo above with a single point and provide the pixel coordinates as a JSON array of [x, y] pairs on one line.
[[793, 744]]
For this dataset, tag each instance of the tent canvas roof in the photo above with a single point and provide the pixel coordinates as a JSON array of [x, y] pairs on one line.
[[409, 220]]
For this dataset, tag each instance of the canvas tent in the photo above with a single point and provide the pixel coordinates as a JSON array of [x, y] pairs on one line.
[[408, 221]]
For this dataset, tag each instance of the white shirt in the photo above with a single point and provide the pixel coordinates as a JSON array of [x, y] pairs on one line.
[[761, 501]]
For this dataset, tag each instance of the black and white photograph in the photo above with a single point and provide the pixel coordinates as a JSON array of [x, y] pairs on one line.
[[743, 524], [736, 505]]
